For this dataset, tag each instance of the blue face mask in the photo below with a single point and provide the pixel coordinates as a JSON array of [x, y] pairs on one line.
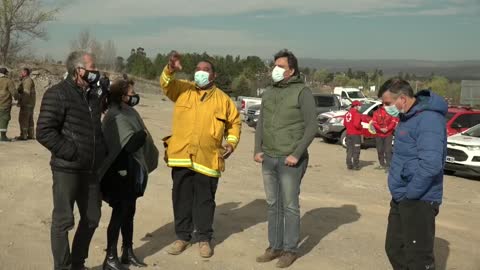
[[392, 110], [202, 78]]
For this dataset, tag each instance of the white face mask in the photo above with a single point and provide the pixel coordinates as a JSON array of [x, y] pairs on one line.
[[278, 74], [202, 78]]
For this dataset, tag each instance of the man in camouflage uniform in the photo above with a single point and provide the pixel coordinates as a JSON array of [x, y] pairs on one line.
[[26, 102], [7, 93]]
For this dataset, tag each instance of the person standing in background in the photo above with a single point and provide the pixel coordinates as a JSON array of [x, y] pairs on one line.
[[8, 92], [384, 125], [26, 102], [353, 124], [105, 82]]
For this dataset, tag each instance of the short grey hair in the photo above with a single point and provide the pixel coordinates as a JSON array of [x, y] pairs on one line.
[[74, 61]]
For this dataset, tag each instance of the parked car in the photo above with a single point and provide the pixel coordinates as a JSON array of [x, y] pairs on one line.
[[243, 103], [323, 102], [461, 118], [251, 117], [463, 152], [327, 103], [332, 129], [348, 95]]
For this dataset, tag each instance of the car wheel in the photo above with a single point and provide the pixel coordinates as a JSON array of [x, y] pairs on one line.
[[367, 143], [330, 141], [343, 139]]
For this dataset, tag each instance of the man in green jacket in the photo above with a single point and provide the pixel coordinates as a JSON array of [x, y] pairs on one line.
[[26, 102], [7, 94], [286, 127]]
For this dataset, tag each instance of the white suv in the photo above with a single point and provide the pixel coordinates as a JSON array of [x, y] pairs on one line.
[[463, 153]]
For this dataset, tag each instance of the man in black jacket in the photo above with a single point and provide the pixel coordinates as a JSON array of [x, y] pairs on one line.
[[69, 126]]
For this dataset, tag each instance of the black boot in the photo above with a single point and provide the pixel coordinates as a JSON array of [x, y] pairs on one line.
[[3, 137], [21, 138], [128, 257], [111, 260]]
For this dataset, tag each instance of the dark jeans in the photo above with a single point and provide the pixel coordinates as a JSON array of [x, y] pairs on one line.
[[282, 189], [411, 234], [123, 213], [354, 145], [68, 189], [193, 196], [384, 150]]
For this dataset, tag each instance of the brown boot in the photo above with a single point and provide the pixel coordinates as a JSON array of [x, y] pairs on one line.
[[269, 255], [178, 247], [205, 249], [287, 259]]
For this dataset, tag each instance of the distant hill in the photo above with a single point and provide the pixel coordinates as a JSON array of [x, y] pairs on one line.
[[454, 70]]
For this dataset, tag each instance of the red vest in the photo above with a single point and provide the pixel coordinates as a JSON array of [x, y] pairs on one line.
[[353, 122], [381, 119]]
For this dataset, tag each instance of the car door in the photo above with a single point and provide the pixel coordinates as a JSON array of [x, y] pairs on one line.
[[366, 119]]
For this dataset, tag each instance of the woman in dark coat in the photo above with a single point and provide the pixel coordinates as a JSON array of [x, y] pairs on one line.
[[132, 155]]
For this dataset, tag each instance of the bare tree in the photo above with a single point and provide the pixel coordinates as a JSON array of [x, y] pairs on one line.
[[83, 43], [21, 21], [87, 42], [96, 49], [109, 54]]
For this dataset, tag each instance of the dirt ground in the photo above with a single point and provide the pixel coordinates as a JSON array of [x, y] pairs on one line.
[[344, 213]]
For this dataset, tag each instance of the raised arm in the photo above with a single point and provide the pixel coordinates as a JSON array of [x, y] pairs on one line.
[[172, 87]]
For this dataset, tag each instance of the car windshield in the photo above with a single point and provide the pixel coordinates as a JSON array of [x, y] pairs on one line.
[[324, 101], [473, 132], [365, 107], [449, 116], [356, 94]]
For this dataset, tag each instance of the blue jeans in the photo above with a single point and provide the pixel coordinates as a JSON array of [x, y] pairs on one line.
[[282, 188]]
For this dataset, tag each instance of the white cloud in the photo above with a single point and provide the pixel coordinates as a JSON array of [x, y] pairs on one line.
[[113, 11]]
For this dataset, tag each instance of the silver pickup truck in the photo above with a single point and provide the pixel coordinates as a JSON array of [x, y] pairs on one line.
[[323, 102], [244, 103]]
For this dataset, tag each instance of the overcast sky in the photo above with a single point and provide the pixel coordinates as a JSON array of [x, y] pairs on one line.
[[341, 29]]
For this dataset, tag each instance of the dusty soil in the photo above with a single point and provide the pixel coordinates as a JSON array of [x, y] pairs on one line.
[[344, 213]]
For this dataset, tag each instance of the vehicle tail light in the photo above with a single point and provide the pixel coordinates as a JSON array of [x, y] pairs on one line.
[[243, 104]]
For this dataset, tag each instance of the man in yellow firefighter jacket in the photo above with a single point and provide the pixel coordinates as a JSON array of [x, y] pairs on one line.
[[206, 130]]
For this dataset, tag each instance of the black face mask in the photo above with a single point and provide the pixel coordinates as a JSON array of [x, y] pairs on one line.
[[91, 76], [133, 100]]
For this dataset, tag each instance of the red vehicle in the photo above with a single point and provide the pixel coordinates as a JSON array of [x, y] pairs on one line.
[[461, 118]]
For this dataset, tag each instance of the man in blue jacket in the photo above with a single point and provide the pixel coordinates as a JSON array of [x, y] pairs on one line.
[[415, 178]]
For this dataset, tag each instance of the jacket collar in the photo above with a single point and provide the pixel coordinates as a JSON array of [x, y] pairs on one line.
[[208, 92], [294, 80], [70, 82]]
